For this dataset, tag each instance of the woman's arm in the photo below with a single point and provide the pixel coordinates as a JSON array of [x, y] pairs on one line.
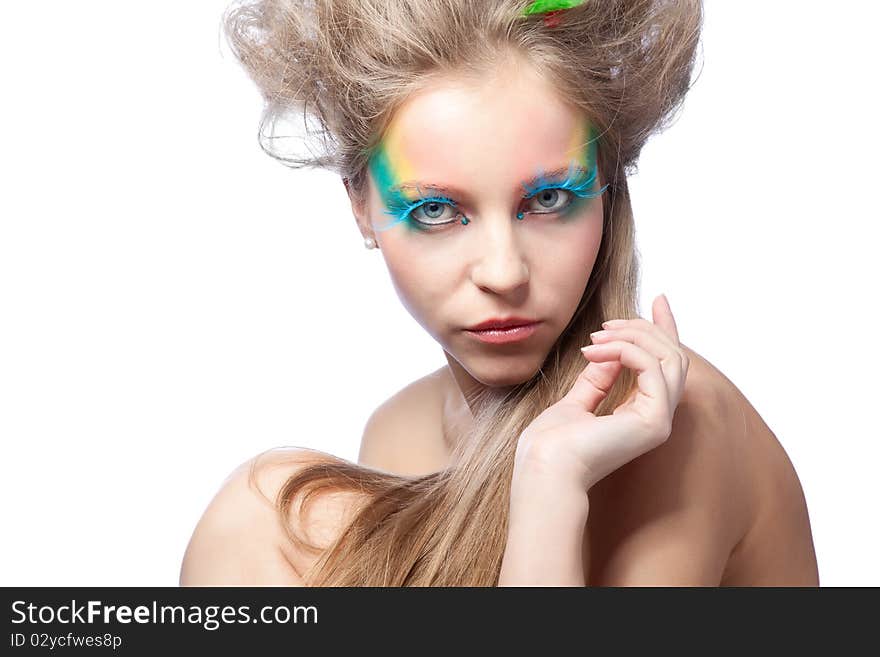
[[567, 448], [545, 535]]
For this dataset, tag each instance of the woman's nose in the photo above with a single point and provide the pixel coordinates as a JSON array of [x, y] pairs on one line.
[[500, 264]]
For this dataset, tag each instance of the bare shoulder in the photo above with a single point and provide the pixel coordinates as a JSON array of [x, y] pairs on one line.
[[403, 435], [718, 503], [241, 538], [672, 515], [777, 547]]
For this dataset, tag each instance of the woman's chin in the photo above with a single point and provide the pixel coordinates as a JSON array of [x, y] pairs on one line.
[[504, 372]]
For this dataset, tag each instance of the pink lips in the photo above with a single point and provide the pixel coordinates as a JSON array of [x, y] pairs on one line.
[[503, 336]]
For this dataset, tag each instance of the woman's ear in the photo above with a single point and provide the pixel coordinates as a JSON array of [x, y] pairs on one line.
[[358, 209]]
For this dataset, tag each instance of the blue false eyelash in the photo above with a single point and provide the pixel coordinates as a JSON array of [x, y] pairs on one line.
[[580, 189], [400, 208]]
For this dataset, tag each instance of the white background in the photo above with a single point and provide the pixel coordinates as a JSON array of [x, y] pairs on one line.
[[173, 300]]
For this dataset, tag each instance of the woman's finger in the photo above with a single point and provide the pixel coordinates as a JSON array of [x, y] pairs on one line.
[[652, 402], [651, 341], [593, 384], [659, 347], [663, 320], [641, 324], [662, 314]]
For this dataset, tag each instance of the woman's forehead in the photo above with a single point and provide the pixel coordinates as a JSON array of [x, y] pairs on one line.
[[462, 131]]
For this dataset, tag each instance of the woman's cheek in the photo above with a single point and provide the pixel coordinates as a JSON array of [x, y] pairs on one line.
[[574, 264], [418, 281]]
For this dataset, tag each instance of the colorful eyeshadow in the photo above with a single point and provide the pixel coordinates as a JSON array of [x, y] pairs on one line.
[[389, 167]]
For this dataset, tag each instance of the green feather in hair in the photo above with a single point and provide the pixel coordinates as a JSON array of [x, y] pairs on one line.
[[542, 6]]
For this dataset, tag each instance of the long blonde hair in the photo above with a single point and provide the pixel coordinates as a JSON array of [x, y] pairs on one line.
[[347, 65]]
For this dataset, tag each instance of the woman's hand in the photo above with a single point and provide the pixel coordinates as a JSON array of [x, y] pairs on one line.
[[568, 441]]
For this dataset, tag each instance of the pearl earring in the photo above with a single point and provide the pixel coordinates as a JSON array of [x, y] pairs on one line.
[[370, 243]]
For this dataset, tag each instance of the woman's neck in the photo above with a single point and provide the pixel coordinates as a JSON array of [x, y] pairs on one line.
[[459, 392], [465, 388]]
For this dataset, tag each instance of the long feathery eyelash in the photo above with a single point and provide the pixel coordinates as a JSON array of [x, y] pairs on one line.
[[400, 208], [580, 189]]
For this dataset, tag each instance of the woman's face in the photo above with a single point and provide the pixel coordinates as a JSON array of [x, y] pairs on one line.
[[471, 150]]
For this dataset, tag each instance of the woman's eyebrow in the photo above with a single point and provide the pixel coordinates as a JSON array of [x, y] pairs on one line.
[[534, 181]]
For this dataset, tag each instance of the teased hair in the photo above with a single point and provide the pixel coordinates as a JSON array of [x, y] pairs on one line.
[[346, 66]]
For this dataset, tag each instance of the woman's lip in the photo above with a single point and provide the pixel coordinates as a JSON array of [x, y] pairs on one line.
[[502, 336]]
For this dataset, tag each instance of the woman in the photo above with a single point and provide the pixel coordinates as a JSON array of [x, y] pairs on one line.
[[485, 148]]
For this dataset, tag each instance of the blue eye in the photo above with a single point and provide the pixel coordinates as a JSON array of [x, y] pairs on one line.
[[426, 213], [577, 184], [433, 212], [551, 195], [549, 200]]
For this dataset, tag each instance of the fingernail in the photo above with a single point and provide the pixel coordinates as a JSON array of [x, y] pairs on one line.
[[611, 323]]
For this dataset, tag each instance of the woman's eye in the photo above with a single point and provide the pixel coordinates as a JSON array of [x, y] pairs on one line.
[[434, 213], [550, 200]]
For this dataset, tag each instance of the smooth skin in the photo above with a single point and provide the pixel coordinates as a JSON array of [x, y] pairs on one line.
[[567, 449], [486, 138], [570, 441], [562, 453], [717, 501], [708, 506]]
